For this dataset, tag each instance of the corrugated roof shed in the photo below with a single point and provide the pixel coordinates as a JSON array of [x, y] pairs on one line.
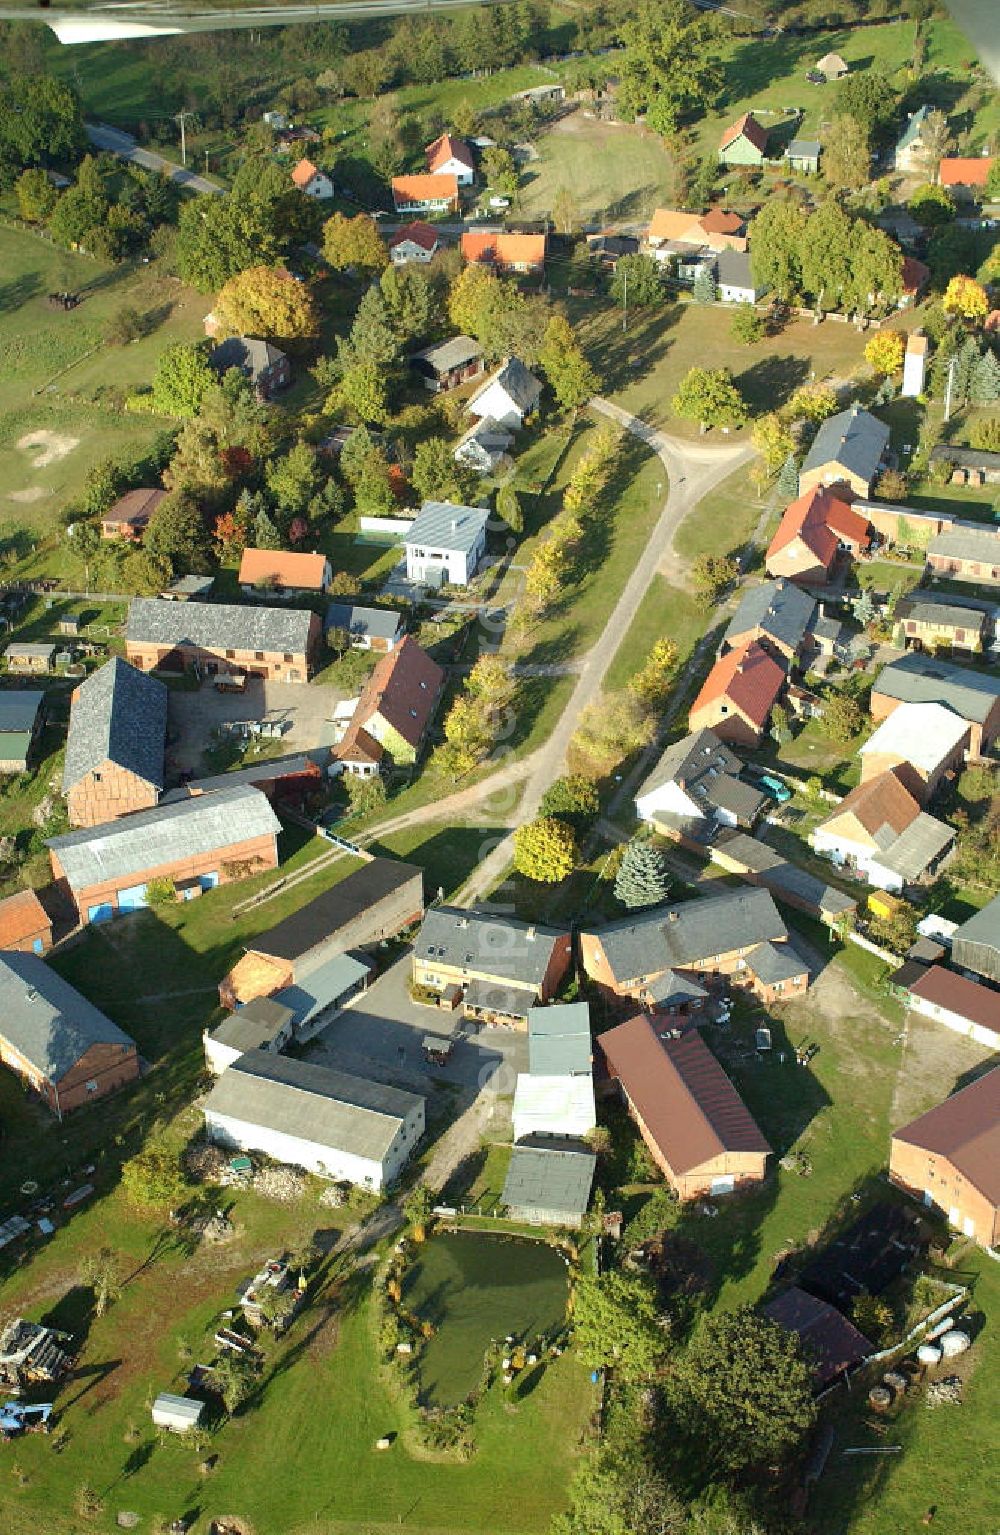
[[18, 710], [118, 715], [443, 356], [551, 1176], [958, 994], [921, 679], [559, 1042], [370, 623], [219, 625], [318, 922], [830, 1342], [975, 943], [968, 545], [47, 1020], [918, 846]]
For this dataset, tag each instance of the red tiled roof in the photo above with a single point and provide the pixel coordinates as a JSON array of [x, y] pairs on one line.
[[748, 677], [957, 994], [21, 916], [136, 507], [424, 189], [684, 1098], [749, 128], [956, 171], [503, 247], [819, 519], [915, 274], [447, 148], [304, 173], [418, 233], [283, 568], [403, 690], [672, 224], [718, 222], [965, 1129], [882, 801]]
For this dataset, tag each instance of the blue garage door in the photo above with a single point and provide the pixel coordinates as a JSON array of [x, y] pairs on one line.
[[132, 899], [102, 913], [208, 881]]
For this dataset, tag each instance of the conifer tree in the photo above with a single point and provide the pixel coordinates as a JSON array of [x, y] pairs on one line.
[[642, 879]]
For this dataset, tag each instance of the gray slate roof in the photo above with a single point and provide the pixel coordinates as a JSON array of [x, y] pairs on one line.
[[313, 1103], [18, 709], [254, 1026], [671, 989], [46, 1019], [913, 128], [689, 933], [559, 1043], [446, 355], [965, 458], [967, 544], [854, 439], [700, 758], [920, 679], [120, 850], [772, 962], [443, 525], [803, 149], [322, 986], [776, 608], [925, 608], [218, 625], [551, 1175], [521, 385], [118, 715], [916, 847], [479, 940], [376, 623], [248, 353], [733, 269]]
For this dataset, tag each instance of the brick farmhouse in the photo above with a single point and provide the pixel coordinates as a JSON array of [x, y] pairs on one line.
[[25, 924], [949, 1158], [115, 746], [215, 638]]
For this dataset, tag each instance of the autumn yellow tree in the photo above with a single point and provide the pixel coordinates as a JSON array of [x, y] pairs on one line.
[[966, 298], [772, 440], [884, 352], [354, 242], [651, 685], [266, 301], [545, 850]]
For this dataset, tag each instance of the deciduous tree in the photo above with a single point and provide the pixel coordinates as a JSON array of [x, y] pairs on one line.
[[967, 298], [573, 799], [154, 1179], [932, 205], [748, 326], [847, 154], [710, 397], [545, 850], [773, 441], [436, 476], [182, 378], [638, 282], [670, 66], [354, 242], [36, 196], [266, 301], [618, 1324], [884, 352], [569, 374]]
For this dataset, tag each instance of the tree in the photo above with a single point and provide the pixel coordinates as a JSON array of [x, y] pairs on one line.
[[984, 389], [932, 206], [235, 1376], [787, 483], [748, 326], [884, 352], [266, 301], [811, 402], [642, 878], [608, 732], [573, 799], [75, 217], [617, 1492], [868, 97], [710, 575], [864, 608], [266, 533], [125, 325], [499, 171], [368, 72], [565, 211], [365, 793], [154, 1179], [569, 374], [293, 479], [99, 1272], [617, 1324], [891, 485], [494, 311], [842, 717], [871, 1315], [935, 142], [218, 237], [410, 301], [637, 282], [437, 476], [354, 242], [776, 238], [182, 378], [86, 538], [545, 850], [41, 122], [774, 442], [670, 65], [710, 397], [177, 531], [847, 154], [986, 432], [509, 507], [704, 287], [36, 196], [651, 682], [966, 298]]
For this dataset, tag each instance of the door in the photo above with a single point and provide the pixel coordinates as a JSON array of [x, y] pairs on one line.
[[101, 913], [723, 1185], [132, 898], [208, 881]]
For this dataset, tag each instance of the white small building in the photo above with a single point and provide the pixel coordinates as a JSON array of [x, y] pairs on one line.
[[735, 278], [261, 1024], [508, 396], [179, 1414], [553, 1106], [311, 181], [451, 156], [414, 242], [445, 544], [914, 365], [483, 445], [330, 1123]]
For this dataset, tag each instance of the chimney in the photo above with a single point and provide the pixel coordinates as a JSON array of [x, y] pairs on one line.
[[671, 916], [531, 934]]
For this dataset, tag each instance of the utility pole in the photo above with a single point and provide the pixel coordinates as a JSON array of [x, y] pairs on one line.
[[181, 118], [948, 389], [625, 300]]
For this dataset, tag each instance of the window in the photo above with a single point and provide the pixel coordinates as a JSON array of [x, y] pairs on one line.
[[230, 655], [97, 777], [287, 657], [92, 1087], [258, 655]]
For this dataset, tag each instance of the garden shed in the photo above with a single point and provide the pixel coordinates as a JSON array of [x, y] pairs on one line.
[[177, 1413]]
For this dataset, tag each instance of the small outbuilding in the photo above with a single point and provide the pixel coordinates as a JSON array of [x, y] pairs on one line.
[[832, 66], [803, 156], [179, 1414], [33, 658], [548, 1182], [21, 717]]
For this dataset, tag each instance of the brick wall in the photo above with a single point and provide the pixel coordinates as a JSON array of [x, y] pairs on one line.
[[917, 1170], [107, 793], [257, 853]]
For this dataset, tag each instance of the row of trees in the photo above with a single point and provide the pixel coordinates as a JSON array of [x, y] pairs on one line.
[[836, 260], [618, 726], [551, 565], [479, 717], [87, 217]]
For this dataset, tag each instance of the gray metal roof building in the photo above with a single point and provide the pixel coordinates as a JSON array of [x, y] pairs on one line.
[[918, 847], [500, 946], [967, 544], [976, 943], [777, 609], [368, 623], [151, 838], [218, 625], [443, 525], [18, 708], [444, 356], [119, 715], [928, 608], [46, 1019], [917, 678], [549, 1181], [559, 1042], [676, 936], [853, 438]]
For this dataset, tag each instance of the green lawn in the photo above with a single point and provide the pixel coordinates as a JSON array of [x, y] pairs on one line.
[[723, 520], [611, 171], [666, 612], [447, 854]]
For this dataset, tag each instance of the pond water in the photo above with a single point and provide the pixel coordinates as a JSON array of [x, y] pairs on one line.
[[475, 1286]]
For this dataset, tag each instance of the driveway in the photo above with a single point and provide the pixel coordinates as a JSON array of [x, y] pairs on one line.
[[305, 711]]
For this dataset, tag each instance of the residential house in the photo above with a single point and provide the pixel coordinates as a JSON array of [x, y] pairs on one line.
[[511, 394], [283, 572], [694, 1123], [880, 830], [737, 937], [262, 1024], [215, 639], [716, 230], [311, 181], [130, 516], [548, 1183], [914, 365], [30, 656], [335, 1125], [116, 744], [816, 528], [922, 743], [425, 194], [909, 153], [373, 903], [265, 367], [738, 695], [697, 781], [484, 445], [965, 554], [555, 1096], [735, 279], [832, 66], [417, 241], [25, 925], [196, 843], [505, 250], [802, 155], [975, 944], [394, 712], [949, 1159], [495, 967], [929, 622], [22, 715], [449, 364], [966, 176], [849, 449], [58, 1043], [744, 142], [832, 1345], [451, 156], [609, 249], [920, 679], [378, 629], [961, 1004], [916, 275], [779, 615], [445, 544]]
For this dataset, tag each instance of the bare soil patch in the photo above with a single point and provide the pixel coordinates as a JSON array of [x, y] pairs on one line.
[[46, 447], [934, 1060], [33, 493]]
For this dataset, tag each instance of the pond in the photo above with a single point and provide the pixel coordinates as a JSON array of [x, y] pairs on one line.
[[473, 1287]]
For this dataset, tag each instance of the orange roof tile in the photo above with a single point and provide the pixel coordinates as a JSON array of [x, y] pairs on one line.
[[882, 801], [819, 518], [915, 274], [283, 568], [503, 247], [749, 128], [956, 171], [447, 148], [672, 224], [424, 189], [403, 689], [749, 678], [21, 916], [718, 222], [304, 173]]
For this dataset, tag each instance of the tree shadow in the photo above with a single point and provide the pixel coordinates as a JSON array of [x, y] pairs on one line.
[[17, 292], [769, 382]]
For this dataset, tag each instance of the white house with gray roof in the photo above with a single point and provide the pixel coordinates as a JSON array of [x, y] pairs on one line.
[[508, 396], [849, 448], [378, 629], [445, 544], [332, 1124], [115, 745], [696, 786]]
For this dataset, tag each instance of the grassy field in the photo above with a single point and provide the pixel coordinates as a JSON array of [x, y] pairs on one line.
[[611, 171], [723, 520], [666, 612], [474, 1288]]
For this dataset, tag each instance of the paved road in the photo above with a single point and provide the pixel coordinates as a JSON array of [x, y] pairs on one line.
[[114, 142]]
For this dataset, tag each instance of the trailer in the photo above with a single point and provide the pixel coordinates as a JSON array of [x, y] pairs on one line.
[[19, 1418], [179, 1414]]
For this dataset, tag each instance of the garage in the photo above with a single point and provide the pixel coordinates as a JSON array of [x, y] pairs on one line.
[[132, 898]]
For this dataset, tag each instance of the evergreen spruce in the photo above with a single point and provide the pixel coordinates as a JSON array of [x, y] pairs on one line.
[[788, 478], [266, 534], [984, 380], [642, 879], [704, 285]]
